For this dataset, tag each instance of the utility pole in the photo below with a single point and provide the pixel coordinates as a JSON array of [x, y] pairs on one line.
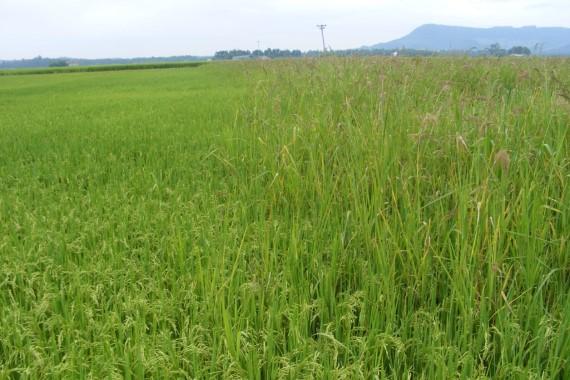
[[322, 28], [258, 45]]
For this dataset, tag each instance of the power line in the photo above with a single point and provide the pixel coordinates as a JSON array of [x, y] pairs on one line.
[[322, 27]]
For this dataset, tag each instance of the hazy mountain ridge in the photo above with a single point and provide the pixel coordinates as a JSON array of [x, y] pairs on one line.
[[564, 50], [545, 40]]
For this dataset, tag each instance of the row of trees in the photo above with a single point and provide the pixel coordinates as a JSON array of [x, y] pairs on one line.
[[493, 50], [278, 53], [497, 51], [59, 63], [271, 53]]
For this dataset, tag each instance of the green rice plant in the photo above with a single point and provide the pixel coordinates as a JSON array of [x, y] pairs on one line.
[[320, 218]]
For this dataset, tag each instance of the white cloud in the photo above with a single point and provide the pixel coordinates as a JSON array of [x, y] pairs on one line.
[[99, 28]]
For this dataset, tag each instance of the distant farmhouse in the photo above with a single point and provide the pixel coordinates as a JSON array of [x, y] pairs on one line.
[[250, 57], [242, 58]]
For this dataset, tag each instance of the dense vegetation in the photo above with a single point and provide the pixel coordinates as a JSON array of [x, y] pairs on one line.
[[270, 53], [495, 50], [335, 218]]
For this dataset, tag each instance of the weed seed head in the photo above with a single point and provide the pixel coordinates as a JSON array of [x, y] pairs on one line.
[[503, 159]]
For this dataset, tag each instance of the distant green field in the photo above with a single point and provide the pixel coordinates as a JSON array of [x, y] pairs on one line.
[[328, 219], [91, 69]]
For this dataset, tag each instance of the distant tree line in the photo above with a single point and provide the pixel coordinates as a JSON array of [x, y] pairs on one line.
[[374, 52], [278, 53], [38, 62], [496, 50], [59, 63], [270, 53], [493, 50]]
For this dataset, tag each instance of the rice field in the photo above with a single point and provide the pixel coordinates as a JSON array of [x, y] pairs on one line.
[[100, 68], [338, 218]]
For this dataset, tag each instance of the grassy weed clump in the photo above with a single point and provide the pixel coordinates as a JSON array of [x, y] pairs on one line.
[[334, 218]]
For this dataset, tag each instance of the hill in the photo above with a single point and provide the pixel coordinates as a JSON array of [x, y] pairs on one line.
[[564, 50], [441, 37]]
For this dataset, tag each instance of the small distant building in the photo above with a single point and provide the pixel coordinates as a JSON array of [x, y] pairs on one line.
[[395, 54], [251, 57], [72, 63], [242, 58]]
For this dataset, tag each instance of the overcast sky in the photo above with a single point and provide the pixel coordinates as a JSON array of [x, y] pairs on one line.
[[130, 28]]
